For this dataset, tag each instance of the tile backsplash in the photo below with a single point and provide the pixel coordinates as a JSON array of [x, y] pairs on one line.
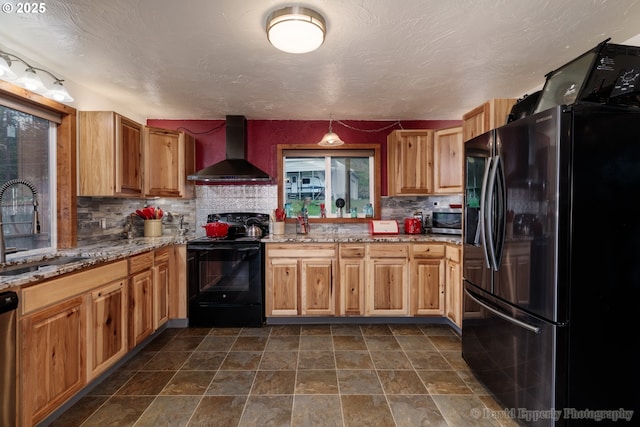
[[101, 218]]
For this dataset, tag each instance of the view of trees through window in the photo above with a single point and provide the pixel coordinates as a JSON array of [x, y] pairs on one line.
[[25, 153]]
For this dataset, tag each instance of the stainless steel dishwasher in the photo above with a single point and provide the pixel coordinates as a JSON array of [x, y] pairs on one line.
[[8, 305]]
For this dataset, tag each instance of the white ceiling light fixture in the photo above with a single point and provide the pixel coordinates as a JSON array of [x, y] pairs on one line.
[[330, 139], [30, 79], [296, 29]]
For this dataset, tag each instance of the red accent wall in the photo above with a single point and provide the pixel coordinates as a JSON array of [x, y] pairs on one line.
[[265, 135]]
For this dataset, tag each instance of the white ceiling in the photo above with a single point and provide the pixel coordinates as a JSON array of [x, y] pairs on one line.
[[382, 59]]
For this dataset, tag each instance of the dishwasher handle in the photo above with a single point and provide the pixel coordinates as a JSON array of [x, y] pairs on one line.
[[8, 301]]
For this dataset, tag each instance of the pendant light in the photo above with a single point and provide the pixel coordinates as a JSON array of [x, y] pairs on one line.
[[296, 29], [330, 139]]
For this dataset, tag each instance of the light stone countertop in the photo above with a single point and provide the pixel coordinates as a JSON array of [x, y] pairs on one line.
[[362, 238], [91, 254], [122, 249]]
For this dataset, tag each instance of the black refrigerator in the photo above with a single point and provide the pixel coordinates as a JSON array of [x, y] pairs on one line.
[[552, 265]]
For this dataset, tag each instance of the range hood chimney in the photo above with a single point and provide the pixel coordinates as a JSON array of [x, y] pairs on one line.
[[235, 167]]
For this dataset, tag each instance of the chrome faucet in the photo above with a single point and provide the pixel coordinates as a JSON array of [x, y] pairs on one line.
[[35, 225]]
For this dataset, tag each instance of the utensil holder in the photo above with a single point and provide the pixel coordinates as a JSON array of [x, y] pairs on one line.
[[278, 227], [152, 228]]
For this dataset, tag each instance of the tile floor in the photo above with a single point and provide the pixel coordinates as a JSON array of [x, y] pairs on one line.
[[302, 375]]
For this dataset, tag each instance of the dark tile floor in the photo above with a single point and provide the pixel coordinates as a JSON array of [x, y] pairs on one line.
[[302, 375]]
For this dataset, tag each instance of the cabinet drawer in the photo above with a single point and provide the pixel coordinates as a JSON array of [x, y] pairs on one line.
[[453, 253], [352, 251], [427, 251], [56, 290], [388, 250], [141, 262], [162, 255], [302, 251]]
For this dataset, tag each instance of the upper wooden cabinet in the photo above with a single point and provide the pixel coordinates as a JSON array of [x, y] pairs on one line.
[[169, 157], [109, 155], [410, 162], [422, 162], [448, 151], [483, 118]]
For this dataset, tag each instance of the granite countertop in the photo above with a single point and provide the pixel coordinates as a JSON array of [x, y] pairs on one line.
[[362, 238], [89, 256]]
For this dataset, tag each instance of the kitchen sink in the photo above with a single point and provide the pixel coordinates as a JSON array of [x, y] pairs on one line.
[[29, 267]]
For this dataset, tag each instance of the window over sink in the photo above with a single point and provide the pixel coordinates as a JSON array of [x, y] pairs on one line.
[[320, 179]]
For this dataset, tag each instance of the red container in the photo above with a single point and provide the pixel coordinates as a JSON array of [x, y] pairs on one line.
[[412, 226], [216, 229]]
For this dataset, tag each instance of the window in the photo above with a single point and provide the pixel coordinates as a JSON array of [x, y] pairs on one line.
[[27, 180], [315, 178]]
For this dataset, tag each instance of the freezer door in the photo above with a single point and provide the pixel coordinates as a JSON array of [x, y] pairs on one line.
[[528, 153], [513, 354]]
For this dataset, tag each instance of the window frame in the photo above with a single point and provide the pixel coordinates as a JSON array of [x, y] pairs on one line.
[[377, 169], [66, 188]]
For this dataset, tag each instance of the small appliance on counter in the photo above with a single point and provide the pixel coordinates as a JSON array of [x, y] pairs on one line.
[[412, 226], [447, 220]]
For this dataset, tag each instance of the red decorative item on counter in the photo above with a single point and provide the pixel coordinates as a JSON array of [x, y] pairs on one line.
[[412, 226], [216, 229]]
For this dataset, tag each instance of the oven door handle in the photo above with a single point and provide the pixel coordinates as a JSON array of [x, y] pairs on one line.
[[225, 248]]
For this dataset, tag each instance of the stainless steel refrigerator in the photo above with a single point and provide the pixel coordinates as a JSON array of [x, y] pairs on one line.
[[552, 265]]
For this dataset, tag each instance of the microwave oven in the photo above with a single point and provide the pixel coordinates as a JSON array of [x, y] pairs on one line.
[[446, 221]]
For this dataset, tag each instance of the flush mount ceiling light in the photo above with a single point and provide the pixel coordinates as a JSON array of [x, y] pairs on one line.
[[30, 80], [330, 139], [296, 29]]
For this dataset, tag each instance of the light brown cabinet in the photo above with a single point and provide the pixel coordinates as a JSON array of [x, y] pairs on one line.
[[300, 279], [448, 155], [453, 293], [169, 157], [53, 364], [427, 279], [352, 279], [110, 149], [387, 292], [483, 118], [107, 328], [410, 162], [161, 283], [141, 313], [71, 327]]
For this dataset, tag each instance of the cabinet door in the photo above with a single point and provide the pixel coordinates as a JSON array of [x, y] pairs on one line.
[[454, 286], [387, 292], [316, 287], [282, 287], [107, 330], [140, 307], [129, 165], [448, 159], [428, 288], [410, 162], [164, 166], [352, 274], [483, 118], [53, 363], [161, 280]]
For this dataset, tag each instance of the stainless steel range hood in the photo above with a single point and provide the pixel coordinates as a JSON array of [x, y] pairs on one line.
[[235, 167]]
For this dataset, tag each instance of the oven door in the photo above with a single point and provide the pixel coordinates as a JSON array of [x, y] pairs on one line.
[[226, 273]]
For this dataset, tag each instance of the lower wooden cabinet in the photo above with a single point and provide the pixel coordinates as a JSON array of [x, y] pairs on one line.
[[454, 285], [387, 280], [427, 279], [161, 284], [300, 279], [352, 279], [140, 298], [53, 363], [107, 328]]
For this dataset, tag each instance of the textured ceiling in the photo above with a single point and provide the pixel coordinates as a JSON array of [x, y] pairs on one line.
[[382, 59]]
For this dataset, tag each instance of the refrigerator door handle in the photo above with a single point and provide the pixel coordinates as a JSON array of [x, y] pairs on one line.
[[483, 209], [520, 323], [491, 186]]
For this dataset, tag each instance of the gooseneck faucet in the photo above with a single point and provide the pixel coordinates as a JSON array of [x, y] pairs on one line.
[[35, 225]]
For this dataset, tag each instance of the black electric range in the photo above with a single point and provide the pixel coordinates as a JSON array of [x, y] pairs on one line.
[[226, 275]]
